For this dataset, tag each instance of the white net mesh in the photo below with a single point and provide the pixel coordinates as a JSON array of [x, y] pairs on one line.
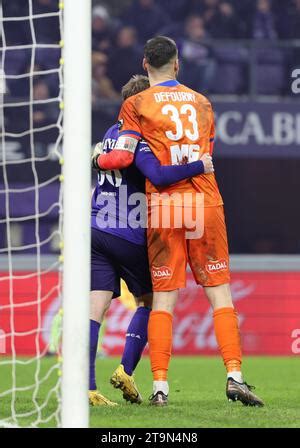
[[31, 115]]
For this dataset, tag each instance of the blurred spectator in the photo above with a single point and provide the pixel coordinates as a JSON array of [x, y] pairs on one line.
[[197, 65], [208, 10], [147, 17], [264, 21], [126, 57], [102, 86], [44, 113], [40, 91], [282, 12], [205, 8], [294, 21], [220, 18], [245, 11], [201, 6], [177, 10], [102, 32], [225, 23], [116, 7]]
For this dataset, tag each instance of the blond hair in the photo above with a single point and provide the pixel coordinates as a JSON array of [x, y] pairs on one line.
[[136, 84]]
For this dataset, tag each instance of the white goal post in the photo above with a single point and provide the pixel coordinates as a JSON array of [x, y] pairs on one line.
[[45, 85], [77, 187]]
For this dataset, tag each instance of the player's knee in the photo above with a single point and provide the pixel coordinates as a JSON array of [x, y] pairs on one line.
[[99, 304], [219, 296], [165, 301]]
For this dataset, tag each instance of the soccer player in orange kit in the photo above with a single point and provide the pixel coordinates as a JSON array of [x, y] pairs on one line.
[[178, 125]]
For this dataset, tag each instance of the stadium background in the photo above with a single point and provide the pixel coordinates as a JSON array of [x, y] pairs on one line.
[[242, 55]]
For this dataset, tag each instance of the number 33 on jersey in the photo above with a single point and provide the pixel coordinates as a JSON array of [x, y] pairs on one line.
[[183, 151]]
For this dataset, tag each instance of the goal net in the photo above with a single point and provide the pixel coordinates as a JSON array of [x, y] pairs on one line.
[[35, 299]]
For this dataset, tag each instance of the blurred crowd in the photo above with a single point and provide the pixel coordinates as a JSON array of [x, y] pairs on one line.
[[120, 29], [118, 41]]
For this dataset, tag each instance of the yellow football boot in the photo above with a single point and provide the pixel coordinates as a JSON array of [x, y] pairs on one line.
[[120, 380], [97, 399]]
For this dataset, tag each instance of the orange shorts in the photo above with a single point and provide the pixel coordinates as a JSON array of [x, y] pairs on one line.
[[169, 252]]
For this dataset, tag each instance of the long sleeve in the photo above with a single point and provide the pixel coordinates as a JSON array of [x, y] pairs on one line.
[[115, 160], [162, 175]]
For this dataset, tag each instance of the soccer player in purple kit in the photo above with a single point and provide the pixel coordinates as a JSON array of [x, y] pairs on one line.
[[119, 248]]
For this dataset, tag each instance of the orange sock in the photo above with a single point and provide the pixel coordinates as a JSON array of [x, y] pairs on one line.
[[160, 343], [228, 337]]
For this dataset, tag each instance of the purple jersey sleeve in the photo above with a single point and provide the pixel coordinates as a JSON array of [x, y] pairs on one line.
[[161, 175]]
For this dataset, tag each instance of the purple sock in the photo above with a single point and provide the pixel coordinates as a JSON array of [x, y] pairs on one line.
[[94, 333], [136, 339]]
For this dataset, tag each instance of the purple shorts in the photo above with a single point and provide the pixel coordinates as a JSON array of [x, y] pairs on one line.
[[113, 258]]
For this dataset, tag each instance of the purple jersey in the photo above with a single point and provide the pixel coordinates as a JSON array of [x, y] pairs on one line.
[[111, 211]]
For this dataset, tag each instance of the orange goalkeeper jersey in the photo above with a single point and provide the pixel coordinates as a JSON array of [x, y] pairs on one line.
[[178, 125]]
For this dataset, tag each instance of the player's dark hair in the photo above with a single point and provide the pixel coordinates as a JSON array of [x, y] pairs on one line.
[[135, 85], [160, 50]]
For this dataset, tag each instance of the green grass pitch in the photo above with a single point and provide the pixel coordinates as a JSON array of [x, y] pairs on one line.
[[197, 398]]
